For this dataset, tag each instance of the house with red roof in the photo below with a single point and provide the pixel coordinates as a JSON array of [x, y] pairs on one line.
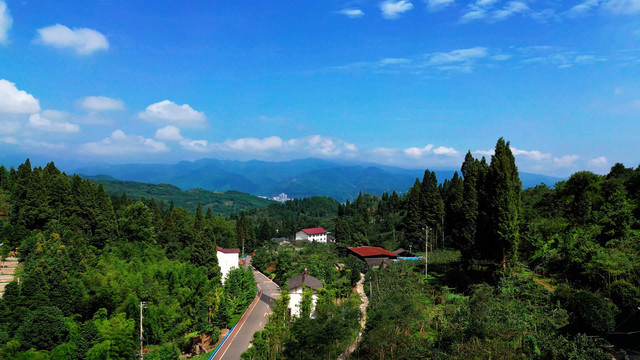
[[373, 256], [312, 234]]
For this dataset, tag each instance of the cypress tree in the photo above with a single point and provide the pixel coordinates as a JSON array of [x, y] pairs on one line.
[[454, 216], [503, 189], [431, 203], [413, 220], [466, 239], [343, 232], [197, 221]]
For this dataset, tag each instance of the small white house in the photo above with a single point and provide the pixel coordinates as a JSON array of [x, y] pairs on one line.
[[227, 260], [296, 285], [312, 234]]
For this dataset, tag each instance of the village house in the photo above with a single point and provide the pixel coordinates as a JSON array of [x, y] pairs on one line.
[[297, 285], [313, 234], [373, 257], [227, 260]]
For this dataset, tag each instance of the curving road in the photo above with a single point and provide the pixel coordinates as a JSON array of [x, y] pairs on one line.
[[240, 339]]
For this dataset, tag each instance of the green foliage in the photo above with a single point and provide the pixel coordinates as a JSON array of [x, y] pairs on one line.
[[43, 329], [223, 203], [165, 352]]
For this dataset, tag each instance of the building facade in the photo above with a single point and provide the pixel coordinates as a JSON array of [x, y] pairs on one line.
[[227, 260], [296, 287], [312, 234]]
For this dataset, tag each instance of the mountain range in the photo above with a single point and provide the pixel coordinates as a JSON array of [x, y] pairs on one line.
[[296, 178]]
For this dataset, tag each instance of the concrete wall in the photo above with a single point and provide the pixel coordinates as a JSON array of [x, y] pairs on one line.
[[301, 235], [295, 299], [227, 262]]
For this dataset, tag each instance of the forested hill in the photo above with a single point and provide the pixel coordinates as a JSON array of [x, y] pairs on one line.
[[223, 203], [297, 178]]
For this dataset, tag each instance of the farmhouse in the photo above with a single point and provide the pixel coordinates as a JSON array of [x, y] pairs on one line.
[[313, 234], [373, 256], [227, 260], [296, 285]]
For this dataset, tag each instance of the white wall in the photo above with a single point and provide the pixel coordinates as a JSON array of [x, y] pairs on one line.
[[301, 235], [227, 262], [295, 299]]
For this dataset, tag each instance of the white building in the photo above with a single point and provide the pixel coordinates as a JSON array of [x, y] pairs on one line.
[[297, 285], [227, 260], [312, 234]]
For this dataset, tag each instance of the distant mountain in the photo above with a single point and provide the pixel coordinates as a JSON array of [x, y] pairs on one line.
[[296, 178], [224, 203]]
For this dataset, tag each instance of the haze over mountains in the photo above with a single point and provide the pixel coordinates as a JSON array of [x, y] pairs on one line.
[[296, 178]]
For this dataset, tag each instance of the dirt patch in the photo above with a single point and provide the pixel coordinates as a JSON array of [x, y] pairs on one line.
[[545, 284]]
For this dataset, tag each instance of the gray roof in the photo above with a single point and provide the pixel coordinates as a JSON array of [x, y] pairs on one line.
[[306, 280]]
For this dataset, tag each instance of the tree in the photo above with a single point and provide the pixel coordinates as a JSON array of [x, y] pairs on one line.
[[343, 231], [503, 188], [203, 253], [413, 220], [454, 214], [431, 202], [466, 239], [44, 329], [135, 223]]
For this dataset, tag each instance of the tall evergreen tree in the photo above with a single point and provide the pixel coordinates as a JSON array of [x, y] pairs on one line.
[[503, 189], [413, 220], [198, 220], [432, 204], [466, 239], [454, 215]]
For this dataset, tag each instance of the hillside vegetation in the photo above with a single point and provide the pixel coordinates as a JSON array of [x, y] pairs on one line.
[[222, 203]]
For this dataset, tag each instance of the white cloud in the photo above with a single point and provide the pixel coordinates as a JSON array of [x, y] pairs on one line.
[[169, 111], [195, 145], [9, 140], [14, 101], [623, 7], [437, 5], [82, 40], [394, 61], [39, 122], [512, 8], [442, 150], [101, 103], [254, 144], [120, 143], [415, 152], [9, 127], [392, 9], [169, 133], [457, 56], [351, 13], [565, 161], [532, 154], [5, 22], [33, 145], [485, 152], [583, 8], [599, 162], [484, 9]]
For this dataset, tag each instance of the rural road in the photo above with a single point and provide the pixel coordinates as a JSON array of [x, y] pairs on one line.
[[240, 340]]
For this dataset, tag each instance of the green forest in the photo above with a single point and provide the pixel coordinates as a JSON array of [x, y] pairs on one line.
[[543, 273], [87, 260], [221, 203]]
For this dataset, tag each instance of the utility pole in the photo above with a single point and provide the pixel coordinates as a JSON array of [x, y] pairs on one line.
[[142, 305], [426, 247], [443, 231]]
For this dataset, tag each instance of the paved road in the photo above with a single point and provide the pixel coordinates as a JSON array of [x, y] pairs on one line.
[[255, 321]]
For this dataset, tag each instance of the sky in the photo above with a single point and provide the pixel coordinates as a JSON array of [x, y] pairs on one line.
[[410, 83]]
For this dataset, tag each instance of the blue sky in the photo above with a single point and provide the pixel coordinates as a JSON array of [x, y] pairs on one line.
[[407, 83]]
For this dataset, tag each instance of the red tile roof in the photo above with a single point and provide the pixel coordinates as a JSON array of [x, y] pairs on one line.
[[314, 231], [365, 251], [228, 251]]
